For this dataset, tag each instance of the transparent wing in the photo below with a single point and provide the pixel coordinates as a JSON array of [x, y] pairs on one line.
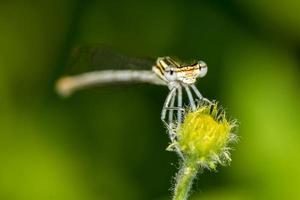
[[91, 58]]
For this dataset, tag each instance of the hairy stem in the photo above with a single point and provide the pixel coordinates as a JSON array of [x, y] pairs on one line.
[[184, 180]]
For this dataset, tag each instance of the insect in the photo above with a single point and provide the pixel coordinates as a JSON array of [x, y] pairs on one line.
[[165, 71], [178, 77]]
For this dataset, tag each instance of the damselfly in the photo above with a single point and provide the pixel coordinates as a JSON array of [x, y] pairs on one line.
[[104, 68]]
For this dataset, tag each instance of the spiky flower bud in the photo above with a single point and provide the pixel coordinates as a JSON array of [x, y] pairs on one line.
[[204, 136], [203, 141]]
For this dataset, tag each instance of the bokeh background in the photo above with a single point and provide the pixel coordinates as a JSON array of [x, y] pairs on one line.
[[109, 143]]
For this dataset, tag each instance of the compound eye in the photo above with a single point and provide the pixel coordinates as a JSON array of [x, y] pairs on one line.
[[171, 75], [203, 69], [170, 71]]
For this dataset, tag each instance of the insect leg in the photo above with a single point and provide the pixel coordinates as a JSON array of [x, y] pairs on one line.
[[190, 96], [171, 108], [197, 92], [199, 95], [179, 105], [171, 125], [166, 104], [171, 129]]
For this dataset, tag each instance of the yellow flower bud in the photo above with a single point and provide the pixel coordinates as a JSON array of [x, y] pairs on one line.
[[204, 136]]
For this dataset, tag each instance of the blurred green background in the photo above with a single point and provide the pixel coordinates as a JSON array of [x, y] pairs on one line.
[[109, 143]]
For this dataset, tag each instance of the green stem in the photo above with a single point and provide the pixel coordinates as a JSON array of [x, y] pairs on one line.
[[184, 180]]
